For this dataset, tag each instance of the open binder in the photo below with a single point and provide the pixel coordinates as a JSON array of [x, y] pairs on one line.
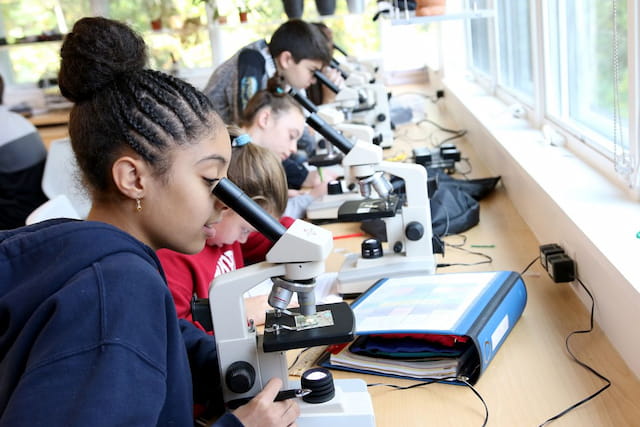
[[432, 326]]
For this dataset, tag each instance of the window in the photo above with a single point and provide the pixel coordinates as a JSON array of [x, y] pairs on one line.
[[582, 54], [514, 39], [480, 45], [583, 63], [24, 22], [177, 32]]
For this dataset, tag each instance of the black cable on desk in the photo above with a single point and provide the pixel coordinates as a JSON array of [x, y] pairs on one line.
[[529, 266], [457, 133], [488, 258], [579, 362], [427, 381]]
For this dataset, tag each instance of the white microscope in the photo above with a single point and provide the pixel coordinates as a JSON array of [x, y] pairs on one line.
[[353, 68], [408, 222], [362, 102], [248, 360]]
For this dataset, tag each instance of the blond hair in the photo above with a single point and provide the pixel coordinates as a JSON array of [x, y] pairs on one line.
[[259, 173]]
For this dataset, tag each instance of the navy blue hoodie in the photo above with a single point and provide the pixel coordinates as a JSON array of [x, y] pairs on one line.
[[89, 333]]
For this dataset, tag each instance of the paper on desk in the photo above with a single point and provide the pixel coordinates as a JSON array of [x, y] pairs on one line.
[[326, 289], [428, 368]]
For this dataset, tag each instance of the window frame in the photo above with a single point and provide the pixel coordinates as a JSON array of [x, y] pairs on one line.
[[539, 111]]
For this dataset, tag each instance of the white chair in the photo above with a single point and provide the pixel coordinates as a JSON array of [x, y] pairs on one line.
[[58, 207], [62, 176]]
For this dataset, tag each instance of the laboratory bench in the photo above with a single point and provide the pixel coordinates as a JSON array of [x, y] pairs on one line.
[[532, 376]]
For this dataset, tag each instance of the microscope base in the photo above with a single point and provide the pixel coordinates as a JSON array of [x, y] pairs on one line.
[[358, 274], [351, 406]]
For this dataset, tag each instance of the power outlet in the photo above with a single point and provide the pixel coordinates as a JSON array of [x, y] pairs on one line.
[[569, 251], [559, 265]]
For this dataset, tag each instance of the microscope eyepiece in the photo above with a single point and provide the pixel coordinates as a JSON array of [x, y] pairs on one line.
[[303, 100], [247, 208], [325, 81]]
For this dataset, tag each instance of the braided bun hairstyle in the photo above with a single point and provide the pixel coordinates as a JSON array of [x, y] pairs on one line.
[[122, 106]]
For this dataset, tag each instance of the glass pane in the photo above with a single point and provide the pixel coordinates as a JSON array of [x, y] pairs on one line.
[[480, 53], [514, 34], [175, 31], [29, 27], [553, 63], [591, 63]]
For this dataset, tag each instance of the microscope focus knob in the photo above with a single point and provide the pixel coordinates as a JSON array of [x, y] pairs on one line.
[[371, 248], [334, 187], [414, 231], [240, 377]]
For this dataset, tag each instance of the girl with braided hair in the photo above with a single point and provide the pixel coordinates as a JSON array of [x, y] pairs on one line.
[[259, 174], [88, 328]]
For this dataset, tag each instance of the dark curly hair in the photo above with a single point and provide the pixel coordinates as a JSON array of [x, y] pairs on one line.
[[121, 105]]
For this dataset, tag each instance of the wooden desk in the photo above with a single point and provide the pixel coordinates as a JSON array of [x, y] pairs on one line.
[[51, 118], [51, 125], [531, 377]]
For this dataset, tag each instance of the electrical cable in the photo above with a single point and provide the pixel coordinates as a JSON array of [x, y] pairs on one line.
[[406, 134], [488, 259], [579, 362], [297, 358], [529, 266], [468, 171], [427, 381], [456, 133], [431, 97], [457, 245]]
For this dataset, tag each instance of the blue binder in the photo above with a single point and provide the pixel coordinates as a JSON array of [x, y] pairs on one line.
[[480, 306]]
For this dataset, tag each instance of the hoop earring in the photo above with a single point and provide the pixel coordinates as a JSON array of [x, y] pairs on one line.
[[138, 205]]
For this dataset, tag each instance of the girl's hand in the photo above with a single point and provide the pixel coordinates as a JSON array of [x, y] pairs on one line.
[[262, 411]]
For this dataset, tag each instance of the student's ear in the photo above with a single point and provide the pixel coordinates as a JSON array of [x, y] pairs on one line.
[[285, 59], [263, 117], [130, 176]]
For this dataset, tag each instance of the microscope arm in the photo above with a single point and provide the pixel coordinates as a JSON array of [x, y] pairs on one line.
[[227, 304], [298, 255], [364, 160], [416, 231]]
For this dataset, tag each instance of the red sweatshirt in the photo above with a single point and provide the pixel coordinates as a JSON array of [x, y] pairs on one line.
[[189, 274]]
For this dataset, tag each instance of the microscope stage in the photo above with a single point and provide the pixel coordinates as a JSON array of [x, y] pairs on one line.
[[359, 210], [341, 331]]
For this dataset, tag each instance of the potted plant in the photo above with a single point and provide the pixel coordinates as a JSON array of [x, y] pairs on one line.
[[430, 7], [212, 5], [217, 17], [326, 7], [293, 8], [243, 12], [155, 8]]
